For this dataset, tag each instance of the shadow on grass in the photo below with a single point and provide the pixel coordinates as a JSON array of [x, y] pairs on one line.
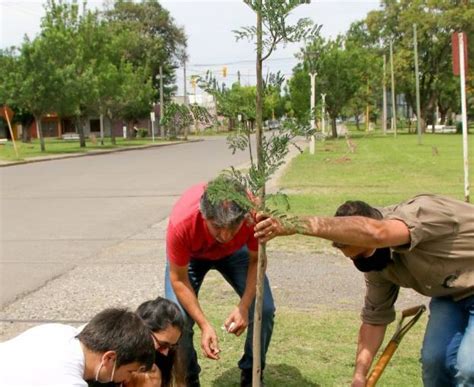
[[275, 375]]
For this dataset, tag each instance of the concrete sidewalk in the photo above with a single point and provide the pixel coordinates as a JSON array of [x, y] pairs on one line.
[[124, 274]]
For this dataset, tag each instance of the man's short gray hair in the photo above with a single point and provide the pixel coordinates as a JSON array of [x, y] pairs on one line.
[[224, 213]]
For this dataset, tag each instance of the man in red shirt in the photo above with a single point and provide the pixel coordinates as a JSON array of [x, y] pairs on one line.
[[203, 236]]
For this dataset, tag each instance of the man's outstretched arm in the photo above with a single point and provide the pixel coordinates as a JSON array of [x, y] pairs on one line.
[[349, 230]]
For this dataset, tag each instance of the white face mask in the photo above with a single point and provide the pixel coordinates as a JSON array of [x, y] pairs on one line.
[[98, 371]]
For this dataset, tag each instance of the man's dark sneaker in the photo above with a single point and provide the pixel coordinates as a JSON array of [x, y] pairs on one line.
[[246, 378]]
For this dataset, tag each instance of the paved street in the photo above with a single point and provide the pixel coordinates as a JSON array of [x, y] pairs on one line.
[[58, 215]]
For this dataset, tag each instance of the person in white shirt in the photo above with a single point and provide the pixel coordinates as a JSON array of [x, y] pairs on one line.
[[113, 345]]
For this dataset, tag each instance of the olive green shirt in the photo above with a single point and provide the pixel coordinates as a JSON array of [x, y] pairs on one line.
[[438, 261]]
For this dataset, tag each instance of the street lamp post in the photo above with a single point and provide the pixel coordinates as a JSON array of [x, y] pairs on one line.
[[323, 115], [417, 84], [394, 103], [312, 143], [162, 106], [384, 96]]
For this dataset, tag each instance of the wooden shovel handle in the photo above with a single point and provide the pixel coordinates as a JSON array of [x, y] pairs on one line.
[[412, 311], [382, 363]]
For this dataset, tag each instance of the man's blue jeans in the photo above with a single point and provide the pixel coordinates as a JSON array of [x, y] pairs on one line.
[[448, 347], [234, 270]]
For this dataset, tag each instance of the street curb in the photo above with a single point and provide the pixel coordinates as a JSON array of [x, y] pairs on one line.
[[4, 164]]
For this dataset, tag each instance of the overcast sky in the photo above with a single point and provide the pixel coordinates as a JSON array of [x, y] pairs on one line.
[[208, 26]]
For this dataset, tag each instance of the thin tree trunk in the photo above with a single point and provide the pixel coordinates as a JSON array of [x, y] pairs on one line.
[[39, 131], [112, 133], [334, 127], [262, 257], [80, 131]]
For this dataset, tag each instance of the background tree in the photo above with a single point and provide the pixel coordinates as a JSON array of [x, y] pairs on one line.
[[39, 82], [9, 80], [231, 102], [435, 20], [338, 75], [152, 39], [273, 103]]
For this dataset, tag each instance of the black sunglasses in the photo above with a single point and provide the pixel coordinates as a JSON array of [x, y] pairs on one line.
[[164, 344]]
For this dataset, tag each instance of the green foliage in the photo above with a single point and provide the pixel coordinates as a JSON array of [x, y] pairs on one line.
[[227, 188], [299, 91], [176, 118], [142, 133], [84, 64], [275, 147], [276, 29], [231, 101], [435, 21], [311, 346], [271, 150], [201, 115], [147, 36], [338, 76]]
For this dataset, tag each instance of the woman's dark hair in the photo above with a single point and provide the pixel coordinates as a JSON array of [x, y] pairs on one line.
[[158, 315], [121, 331]]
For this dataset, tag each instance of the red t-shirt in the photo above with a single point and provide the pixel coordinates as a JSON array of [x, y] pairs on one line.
[[188, 236]]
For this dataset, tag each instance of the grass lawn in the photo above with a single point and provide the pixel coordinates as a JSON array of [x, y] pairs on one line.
[[317, 347], [308, 348], [57, 147], [381, 171]]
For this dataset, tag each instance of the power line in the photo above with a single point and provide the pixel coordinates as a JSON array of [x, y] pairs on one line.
[[239, 61]]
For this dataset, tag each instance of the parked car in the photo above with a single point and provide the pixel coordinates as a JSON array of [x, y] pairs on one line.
[[272, 124]]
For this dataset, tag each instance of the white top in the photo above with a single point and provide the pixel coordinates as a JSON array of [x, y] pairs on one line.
[[47, 355]]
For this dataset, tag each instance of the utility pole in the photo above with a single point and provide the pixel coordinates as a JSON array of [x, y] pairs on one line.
[[394, 105], [162, 106], [462, 72], [323, 115], [312, 142], [417, 83], [384, 97], [186, 103], [367, 108]]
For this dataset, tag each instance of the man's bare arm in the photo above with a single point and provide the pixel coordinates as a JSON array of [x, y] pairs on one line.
[[187, 297], [349, 230], [237, 321], [370, 340]]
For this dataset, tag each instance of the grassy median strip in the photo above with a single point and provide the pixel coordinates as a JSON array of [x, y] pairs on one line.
[[382, 170], [56, 147]]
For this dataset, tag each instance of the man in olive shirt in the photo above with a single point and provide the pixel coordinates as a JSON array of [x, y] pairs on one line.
[[425, 243]]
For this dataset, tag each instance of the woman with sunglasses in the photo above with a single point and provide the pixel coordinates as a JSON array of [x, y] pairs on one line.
[[165, 321]]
